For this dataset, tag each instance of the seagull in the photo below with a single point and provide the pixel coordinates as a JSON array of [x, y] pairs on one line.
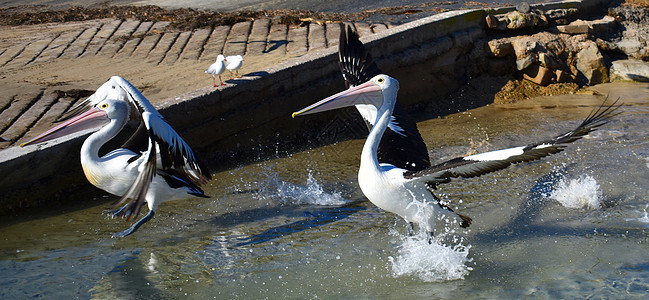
[[217, 68], [233, 63], [409, 193], [155, 165]]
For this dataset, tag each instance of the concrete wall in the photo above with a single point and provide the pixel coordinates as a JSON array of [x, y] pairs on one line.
[[431, 58]]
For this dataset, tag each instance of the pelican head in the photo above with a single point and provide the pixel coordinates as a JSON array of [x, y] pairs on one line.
[[97, 116], [380, 91]]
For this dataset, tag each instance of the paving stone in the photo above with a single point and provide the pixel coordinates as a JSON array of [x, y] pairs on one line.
[[134, 40], [158, 53], [297, 40], [77, 46], [376, 28], [363, 29], [47, 120], [277, 39], [332, 33], [195, 45], [316, 37], [258, 37], [215, 43], [104, 33], [20, 126], [177, 48], [30, 53], [58, 45], [10, 53], [237, 39], [119, 38], [150, 40], [17, 107]]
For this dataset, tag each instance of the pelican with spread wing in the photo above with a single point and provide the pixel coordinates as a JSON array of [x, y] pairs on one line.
[[153, 166]]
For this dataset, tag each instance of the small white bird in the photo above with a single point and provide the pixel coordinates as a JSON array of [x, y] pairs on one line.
[[155, 165], [233, 63], [217, 68]]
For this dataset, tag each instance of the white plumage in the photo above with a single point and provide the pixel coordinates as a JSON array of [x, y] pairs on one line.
[[154, 166], [217, 68]]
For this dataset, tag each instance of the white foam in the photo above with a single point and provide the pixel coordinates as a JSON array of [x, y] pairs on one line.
[[582, 192], [432, 262], [431, 259], [289, 193]]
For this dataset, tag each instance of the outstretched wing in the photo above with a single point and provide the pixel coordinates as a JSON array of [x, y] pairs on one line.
[[174, 152], [401, 145], [483, 163]]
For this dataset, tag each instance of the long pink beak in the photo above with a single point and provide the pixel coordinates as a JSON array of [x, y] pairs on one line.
[[91, 119], [366, 93]]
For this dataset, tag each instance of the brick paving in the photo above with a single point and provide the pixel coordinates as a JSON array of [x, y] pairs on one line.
[[27, 111]]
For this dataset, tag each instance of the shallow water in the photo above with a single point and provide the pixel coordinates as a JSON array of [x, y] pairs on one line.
[[298, 226]]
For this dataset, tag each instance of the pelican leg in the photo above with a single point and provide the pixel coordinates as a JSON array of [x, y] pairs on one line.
[[115, 212], [135, 226], [410, 229]]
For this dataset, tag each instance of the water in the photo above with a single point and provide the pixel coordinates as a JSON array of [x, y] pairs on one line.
[[572, 225]]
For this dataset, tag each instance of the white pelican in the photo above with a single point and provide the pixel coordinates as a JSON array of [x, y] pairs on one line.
[[408, 193], [402, 144], [153, 166], [233, 63], [217, 68]]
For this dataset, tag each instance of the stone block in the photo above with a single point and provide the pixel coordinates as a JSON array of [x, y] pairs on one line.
[[523, 47], [525, 62], [630, 69], [538, 74], [563, 76], [590, 64], [500, 48]]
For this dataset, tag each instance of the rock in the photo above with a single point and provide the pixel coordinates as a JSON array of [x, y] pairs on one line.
[[602, 25], [630, 46], [500, 48], [590, 64], [630, 69], [525, 62], [605, 45], [517, 20], [523, 47], [492, 21], [547, 61], [563, 76], [574, 29], [538, 74], [523, 7]]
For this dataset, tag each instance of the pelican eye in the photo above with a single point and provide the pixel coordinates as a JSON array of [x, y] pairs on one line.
[[380, 80], [104, 106]]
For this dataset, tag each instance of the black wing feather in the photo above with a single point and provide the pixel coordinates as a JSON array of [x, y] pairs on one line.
[[466, 167], [405, 150]]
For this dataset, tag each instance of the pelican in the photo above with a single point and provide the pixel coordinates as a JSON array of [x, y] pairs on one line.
[[402, 144], [409, 193], [217, 68], [233, 63], [153, 166]]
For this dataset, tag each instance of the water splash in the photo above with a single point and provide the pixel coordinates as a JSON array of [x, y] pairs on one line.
[[288, 193], [431, 262], [432, 259], [582, 192]]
